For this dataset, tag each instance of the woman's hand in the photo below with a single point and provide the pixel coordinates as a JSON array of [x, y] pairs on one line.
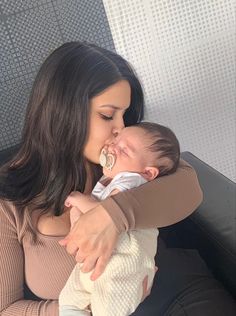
[[92, 240]]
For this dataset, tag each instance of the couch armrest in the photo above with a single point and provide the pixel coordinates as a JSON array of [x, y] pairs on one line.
[[212, 227]]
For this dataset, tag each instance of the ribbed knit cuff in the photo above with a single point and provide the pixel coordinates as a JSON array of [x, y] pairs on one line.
[[116, 214]]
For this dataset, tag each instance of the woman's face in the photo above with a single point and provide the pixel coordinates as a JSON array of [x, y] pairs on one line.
[[106, 118]]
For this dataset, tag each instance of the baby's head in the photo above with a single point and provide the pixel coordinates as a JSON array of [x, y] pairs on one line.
[[164, 146], [146, 148]]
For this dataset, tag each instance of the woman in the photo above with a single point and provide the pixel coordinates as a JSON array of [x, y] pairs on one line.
[[82, 97]]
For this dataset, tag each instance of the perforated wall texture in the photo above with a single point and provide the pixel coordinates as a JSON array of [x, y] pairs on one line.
[[29, 31], [183, 51]]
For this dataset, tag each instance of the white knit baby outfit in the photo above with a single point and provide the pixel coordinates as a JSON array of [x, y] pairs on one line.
[[118, 291]]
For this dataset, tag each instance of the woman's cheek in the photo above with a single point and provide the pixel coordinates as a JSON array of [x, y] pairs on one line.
[[106, 138]]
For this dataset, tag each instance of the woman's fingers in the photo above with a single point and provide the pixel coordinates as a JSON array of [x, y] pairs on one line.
[[78, 257], [89, 264], [95, 235], [71, 248], [100, 266]]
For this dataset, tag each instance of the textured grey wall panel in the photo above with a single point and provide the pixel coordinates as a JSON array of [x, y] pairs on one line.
[[29, 31], [85, 19], [184, 53]]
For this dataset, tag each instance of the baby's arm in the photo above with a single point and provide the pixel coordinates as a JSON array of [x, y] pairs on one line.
[[82, 201]]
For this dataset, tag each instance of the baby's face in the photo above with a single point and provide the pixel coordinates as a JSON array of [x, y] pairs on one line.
[[131, 152]]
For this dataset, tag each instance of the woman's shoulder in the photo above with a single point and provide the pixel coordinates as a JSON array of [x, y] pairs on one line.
[[8, 210], [12, 216]]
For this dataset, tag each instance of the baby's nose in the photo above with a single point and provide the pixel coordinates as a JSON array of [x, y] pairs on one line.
[[111, 148], [110, 142]]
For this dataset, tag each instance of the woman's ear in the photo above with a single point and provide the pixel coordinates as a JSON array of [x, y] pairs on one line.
[[150, 173]]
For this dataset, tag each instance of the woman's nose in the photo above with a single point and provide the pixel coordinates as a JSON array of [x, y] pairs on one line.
[[118, 128]]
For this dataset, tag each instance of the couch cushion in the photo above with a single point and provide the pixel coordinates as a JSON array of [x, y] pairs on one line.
[[212, 227]]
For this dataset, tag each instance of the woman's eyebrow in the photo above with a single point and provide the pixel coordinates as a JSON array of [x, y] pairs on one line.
[[112, 106]]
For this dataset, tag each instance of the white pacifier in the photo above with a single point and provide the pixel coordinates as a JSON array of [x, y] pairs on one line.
[[106, 159]]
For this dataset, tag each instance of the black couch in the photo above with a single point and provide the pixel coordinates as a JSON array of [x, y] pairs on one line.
[[209, 286], [211, 229]]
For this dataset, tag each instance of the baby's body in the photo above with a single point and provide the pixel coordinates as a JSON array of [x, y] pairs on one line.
[[129, 162], [131, 262]]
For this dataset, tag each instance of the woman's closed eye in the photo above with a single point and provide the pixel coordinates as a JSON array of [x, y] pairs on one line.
[[106, 117]]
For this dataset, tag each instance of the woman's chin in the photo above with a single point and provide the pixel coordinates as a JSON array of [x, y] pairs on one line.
[[93, 161]]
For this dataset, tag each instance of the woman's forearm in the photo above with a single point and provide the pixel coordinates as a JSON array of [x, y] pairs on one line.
[[158, 203]]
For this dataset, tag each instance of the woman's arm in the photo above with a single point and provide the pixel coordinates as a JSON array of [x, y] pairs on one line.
[[12, 300], [158, 203]]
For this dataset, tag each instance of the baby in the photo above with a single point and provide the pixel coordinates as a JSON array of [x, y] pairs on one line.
[[139, 154]]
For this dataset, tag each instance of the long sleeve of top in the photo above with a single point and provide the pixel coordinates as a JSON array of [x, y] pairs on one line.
[[37, 260], [161, 202]]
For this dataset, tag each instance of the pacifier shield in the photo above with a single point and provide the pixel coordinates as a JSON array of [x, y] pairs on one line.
[[103, 158], [106, 159]]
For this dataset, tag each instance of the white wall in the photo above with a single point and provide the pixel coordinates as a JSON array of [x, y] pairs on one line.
[[183, 51]]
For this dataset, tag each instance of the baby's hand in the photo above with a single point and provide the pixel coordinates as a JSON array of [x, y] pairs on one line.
[[81, 201], [75, 214], [73, 199]]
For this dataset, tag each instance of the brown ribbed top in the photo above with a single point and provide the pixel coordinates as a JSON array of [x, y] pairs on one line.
[[29, 257]]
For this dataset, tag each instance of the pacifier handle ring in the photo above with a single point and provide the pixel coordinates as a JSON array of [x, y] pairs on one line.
[[111, 164], [107, 160]]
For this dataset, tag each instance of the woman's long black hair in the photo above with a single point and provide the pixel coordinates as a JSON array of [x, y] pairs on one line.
[[50, 162]]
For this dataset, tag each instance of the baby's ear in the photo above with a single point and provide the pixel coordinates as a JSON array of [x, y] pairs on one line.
[[150, 173], [75, 214]]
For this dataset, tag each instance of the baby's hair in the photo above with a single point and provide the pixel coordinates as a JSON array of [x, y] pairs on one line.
[[165, 144]]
